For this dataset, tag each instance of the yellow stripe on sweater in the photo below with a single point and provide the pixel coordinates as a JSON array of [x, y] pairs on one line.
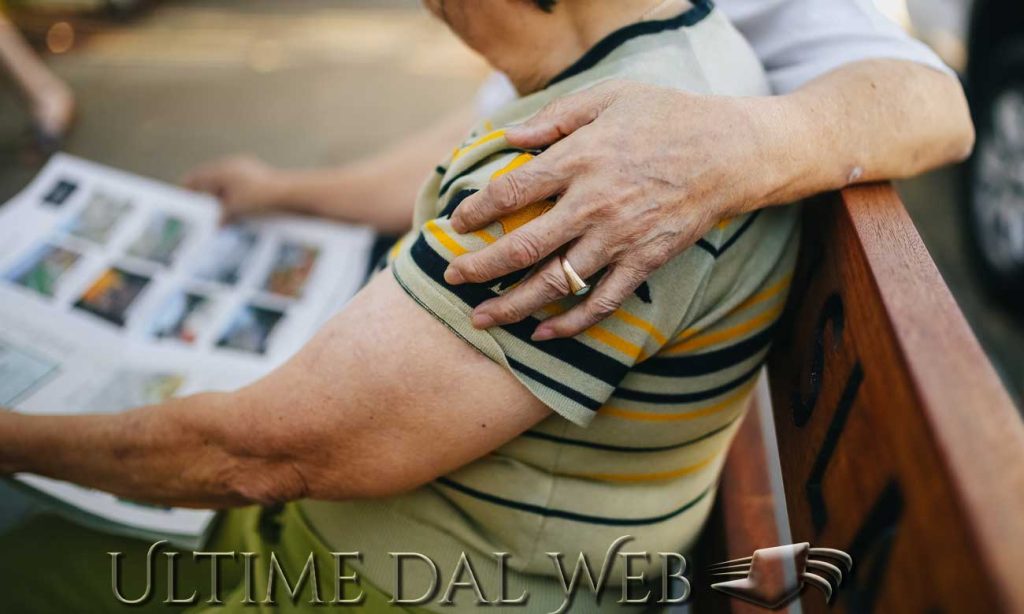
[[487, 138], [648, 477], [444, 238], [484, 236], [766, 294], [642, 324], [602, 334], [610, 339], [516, 162], [619, 314], [726, 334], [397, 247], [762, 296]]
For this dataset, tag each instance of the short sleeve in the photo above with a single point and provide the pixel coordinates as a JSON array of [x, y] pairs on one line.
[[574, 377], [800, 40]]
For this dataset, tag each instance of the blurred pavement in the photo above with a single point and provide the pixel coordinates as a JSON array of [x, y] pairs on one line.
[[312, 82], [299, 83]]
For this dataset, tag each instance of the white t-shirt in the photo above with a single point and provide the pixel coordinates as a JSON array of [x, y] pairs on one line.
[[796, 40]]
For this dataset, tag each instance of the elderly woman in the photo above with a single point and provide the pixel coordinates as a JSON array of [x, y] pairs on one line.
[[856, 101], [411, 423]]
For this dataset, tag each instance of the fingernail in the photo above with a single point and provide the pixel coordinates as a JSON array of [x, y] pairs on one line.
[[482, 320], [458, 226], [453, 276], [542, 334]]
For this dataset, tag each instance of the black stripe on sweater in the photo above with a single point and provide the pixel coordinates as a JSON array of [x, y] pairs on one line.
[[608, 44], [692, 365], [685, 397], [627, 449], [589, 360], [566, 514]]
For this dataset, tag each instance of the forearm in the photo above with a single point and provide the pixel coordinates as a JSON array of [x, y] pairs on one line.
[[380, 195], [869, 121], [381, 190], [176, 453], [357, 413]]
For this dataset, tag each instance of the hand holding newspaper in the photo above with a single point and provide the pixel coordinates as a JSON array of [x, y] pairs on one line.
[[118, 291]]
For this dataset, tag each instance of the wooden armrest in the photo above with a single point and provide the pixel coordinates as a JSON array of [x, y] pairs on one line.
[[896, 439]]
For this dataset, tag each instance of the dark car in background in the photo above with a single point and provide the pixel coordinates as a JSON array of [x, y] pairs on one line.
[[994, 181], [984, 41]]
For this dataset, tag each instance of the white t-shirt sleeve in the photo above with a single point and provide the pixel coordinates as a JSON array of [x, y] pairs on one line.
[[796, 40], [800, 40], [495, 92]]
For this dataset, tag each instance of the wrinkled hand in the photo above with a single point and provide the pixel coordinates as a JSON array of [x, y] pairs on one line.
[[243, 184], [641, 173]]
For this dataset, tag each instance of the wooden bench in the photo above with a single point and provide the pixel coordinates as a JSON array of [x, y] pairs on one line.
[[896, 440]]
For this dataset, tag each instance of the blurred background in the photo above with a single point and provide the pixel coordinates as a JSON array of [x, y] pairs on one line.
[[162, 86]]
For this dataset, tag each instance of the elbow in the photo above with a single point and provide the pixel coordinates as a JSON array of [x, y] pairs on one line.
[[275, 468], [280, 459], [264, 482], [966, 140], [271, 482], [944, 134], [960, 134], [257, 464], [962, 137]]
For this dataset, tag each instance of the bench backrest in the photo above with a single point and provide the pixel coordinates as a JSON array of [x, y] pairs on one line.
[[897, 441]]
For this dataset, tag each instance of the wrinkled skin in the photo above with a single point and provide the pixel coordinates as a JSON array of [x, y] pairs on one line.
[[641, 172], [622, 208]]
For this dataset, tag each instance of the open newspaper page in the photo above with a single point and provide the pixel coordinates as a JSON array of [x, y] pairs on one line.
[[118, 291]]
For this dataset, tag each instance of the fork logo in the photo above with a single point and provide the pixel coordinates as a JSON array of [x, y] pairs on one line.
[[773, 577]]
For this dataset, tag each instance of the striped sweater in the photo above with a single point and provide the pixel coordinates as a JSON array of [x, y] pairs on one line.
[[644, 404]]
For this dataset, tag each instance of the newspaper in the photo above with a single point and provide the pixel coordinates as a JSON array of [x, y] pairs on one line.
[[118, 291]]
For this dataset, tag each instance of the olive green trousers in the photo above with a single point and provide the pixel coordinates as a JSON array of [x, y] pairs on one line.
[[48, 564]]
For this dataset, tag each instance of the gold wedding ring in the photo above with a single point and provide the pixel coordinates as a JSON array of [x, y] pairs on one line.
[[576, 284]]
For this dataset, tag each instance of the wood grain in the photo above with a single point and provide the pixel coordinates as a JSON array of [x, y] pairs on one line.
[[744, 516], [898, 443]]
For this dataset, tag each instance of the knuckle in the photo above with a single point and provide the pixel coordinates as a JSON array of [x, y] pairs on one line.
[[524, 250], [564, 123], [602, 306], [507, 192], [507, 311], [553, 109], [649, 261], [607, 91], [553, 284], [468, 207], [465, 214], [636, 275], [468, 267]]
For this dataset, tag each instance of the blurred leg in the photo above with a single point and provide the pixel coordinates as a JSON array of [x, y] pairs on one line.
[[52, 101], [48, 564]]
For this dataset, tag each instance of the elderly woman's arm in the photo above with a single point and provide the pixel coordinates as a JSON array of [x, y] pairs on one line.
[[645, 171], [378, 191], [359, 412]]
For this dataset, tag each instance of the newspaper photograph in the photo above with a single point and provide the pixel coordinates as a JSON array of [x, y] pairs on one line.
[[118, 291]]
